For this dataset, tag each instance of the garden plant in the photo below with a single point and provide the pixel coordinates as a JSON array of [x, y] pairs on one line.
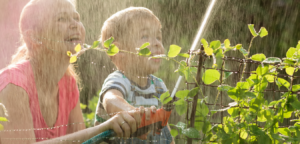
[[251, 117]]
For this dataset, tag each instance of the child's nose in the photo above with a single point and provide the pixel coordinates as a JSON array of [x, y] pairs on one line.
[[157, 47]]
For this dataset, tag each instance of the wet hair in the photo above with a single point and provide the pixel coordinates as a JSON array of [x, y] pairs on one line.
[[31, 19], [120, 24]]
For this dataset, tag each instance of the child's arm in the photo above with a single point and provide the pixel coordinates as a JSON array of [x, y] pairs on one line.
[[113, 101]]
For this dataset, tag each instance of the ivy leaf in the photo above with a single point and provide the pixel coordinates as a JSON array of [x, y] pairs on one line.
[[191, 133], [113, 50], [210, 76], [193, 92], [144, 52], [258, 57], [290, 52], [77, 48], [184, 55], [95, 44], [145, 45], [290, 70], [108, 42], [296, 87], [174, 51], [208, 51], [204, 42], [73, 59], [238, 46], [174, 132], [215, 44], [227, 43], [252, 30], [182, 94], [272, 60], [263, 32]]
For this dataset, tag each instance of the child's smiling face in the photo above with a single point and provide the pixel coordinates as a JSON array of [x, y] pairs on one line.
[[144, 30]]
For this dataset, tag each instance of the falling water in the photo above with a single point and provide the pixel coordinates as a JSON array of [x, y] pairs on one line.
[[202, 26]]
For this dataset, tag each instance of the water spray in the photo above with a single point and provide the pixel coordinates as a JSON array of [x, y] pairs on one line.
[[207, 14]]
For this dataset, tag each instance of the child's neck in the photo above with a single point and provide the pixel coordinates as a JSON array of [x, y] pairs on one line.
[[141, 81]]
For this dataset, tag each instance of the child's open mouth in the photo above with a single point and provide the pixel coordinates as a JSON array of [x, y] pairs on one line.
[[75, 39]]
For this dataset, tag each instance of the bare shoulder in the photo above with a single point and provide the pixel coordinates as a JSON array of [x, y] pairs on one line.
[[13, 93]]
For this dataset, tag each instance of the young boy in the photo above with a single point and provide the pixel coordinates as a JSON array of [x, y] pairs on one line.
[[133, 84]]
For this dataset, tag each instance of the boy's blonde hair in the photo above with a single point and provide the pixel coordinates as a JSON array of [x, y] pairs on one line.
[[120, 24]]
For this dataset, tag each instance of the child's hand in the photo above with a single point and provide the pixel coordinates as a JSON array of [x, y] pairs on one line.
[[147, 112]]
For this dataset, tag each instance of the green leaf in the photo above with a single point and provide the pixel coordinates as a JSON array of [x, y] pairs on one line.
[[164, 96], [191, 133], [144, 52], [296, 88], [255, 130], [184, 55], [83, 106], [243, 134], [108, 42], [272, 60], [238, 46], [95, 44], [182, 94], [224, 87], [167, 100], [234, 111], [290, 52], [296, 105], [180, 106], [287, 114], [227, 43], [283, 82], [181, 125], [243, 51], [263, 32], [284, 131], [193, 92], [270, 78], [77, 48], [145, 45], [215, 44], [227, 74], [210, 76], [174, 51], [3, 119], [261, 71], [73, 59], [252, 30], [290, 70], [204, 42], [258, 57], [174, 132], [69, 53], [113, 50], [202, 108], [219, 53], [208, 51]]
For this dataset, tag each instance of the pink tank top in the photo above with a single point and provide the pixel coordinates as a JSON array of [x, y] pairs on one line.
[[21, 75]]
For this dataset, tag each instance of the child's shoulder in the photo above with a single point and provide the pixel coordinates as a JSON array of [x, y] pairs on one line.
[[116, 76], [157, 79]]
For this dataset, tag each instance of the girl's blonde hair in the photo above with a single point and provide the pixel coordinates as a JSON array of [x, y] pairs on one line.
[[31, 19]]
